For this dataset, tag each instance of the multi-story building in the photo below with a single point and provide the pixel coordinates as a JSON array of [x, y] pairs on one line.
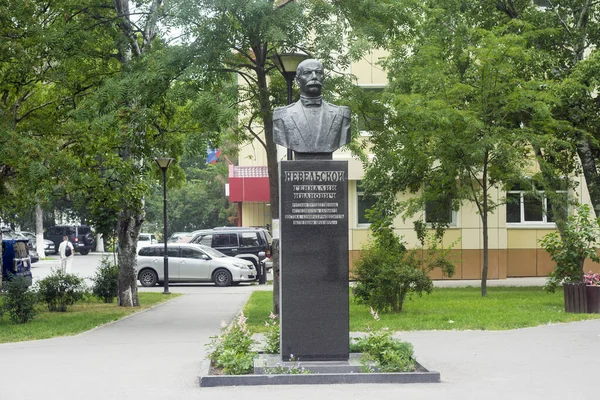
[[514, 229]]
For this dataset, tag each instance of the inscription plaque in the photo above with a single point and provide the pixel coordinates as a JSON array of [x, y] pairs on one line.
[[314, 260]]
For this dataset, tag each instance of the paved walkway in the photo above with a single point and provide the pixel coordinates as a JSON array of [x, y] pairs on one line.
[[156, 355]]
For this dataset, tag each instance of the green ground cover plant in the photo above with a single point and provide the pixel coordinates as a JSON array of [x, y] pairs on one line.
[[80, 317], [449, 308]]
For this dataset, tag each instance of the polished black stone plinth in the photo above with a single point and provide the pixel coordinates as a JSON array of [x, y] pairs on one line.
[[314, 260]]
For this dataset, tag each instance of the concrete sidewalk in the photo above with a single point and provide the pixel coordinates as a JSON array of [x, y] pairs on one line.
[[156, 355]]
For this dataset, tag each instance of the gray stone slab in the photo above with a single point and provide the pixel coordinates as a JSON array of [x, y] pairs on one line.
[[422, 376], [265, 362]]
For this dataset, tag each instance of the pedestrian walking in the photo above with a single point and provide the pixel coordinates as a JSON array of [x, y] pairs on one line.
[[66, 251]]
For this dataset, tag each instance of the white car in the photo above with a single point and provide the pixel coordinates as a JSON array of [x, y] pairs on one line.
[[192, 263], [145, 239]]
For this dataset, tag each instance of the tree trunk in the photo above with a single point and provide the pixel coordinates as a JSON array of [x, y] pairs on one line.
[[130, 222], [590, 171], [39, 231], [266, 114], [484, 226]]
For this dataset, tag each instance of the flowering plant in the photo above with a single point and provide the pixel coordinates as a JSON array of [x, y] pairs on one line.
[[592, 279]]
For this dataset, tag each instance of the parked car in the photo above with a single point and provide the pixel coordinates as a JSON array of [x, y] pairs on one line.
[[8, 233], [181, 237], [49, 247], [252, 244], [16, 260], [79, 235], [192, 263], [144, 239]]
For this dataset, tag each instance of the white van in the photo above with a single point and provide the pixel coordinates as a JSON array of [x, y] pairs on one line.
[[146, 239]]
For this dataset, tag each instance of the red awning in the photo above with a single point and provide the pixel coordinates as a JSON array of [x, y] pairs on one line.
[[248, 184]]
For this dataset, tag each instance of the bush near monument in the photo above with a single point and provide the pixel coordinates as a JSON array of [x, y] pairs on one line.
[[387, 272], [231, 351], [381, 352]]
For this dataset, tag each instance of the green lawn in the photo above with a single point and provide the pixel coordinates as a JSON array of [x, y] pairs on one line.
[[449, 308], [81, 317]]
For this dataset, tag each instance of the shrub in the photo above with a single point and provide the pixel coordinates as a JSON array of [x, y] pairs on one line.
[[272, 335], [387, 272], [579, 241], [60, 290], [232, 349], [19, 300], [381, 352], [106, 281]]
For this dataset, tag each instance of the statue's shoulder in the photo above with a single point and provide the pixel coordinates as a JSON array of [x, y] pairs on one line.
[[340, 110], [281, 112]]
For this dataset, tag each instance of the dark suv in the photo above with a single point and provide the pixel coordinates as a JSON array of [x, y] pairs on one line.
[[252, 244], [80, 235]]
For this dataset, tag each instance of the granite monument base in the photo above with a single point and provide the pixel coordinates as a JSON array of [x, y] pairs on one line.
[[333, 373], [314, 260]]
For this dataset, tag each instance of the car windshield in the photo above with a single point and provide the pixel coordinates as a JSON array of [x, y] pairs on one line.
[[28, 234], [212, 252]]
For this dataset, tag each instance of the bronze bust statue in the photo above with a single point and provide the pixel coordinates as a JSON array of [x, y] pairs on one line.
[[311, 127]]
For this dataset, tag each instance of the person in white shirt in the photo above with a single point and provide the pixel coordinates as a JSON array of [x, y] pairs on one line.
[[66, 257]]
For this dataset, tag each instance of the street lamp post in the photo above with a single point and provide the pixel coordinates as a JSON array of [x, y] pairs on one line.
[[163, 164], [287, 63]]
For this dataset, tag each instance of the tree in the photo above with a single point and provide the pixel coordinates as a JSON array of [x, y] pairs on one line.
[[240, 38], [199, 204], [464, 98]]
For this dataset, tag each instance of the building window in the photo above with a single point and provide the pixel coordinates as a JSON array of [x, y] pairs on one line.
[[364, 121], [527, 207], [363, 204], [440, 212]]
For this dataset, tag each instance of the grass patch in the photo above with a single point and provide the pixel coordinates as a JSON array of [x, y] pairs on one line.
[[449, 308], [81, 317]]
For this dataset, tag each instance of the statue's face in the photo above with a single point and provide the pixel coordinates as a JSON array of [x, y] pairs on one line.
[[310, 77]]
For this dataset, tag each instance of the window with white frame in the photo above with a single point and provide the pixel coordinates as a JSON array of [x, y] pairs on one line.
[[363, 203], [440, 212], [363, 123], [534, 206]]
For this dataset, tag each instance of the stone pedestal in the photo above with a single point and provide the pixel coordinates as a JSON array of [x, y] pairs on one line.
[[314, 260]]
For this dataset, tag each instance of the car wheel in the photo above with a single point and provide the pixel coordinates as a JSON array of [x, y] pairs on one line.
[[84, 252], [222, 277], [148, 278]]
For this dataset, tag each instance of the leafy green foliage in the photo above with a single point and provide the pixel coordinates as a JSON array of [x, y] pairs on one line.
[[272, 335], [382, 352], [569, 250], [60, 290], [106, 280], [232, 349], [19, 300], [466, 96], [387, 272]]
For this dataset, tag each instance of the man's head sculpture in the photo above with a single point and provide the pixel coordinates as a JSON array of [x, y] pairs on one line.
[[310, 77], [311, 127]]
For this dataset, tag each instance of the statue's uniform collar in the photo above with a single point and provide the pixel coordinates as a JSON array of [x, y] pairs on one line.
[[311, 101]]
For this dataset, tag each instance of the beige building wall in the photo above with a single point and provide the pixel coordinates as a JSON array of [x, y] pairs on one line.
[[514, 251]]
